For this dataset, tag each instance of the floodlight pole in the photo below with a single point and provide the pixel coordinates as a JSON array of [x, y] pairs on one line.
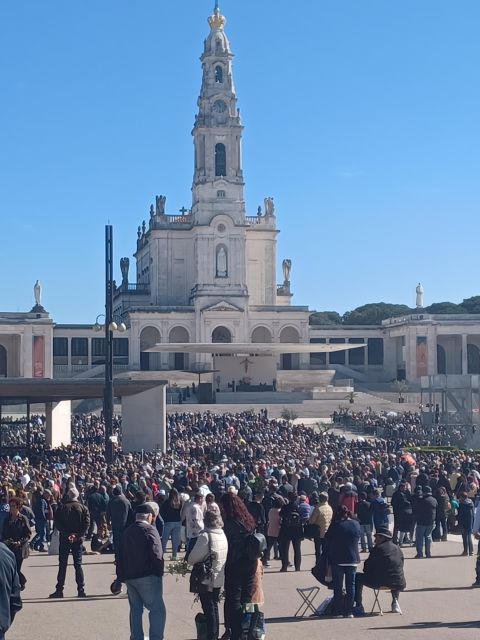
[[108, 391]]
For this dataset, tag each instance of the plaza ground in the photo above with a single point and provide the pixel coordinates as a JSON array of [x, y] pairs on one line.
[[439, 603]]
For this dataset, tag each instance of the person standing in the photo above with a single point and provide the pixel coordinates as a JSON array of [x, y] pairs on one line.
[[211, 543], [194, 520], [364, 513], [342, 541], [119, 514], [425, 510], [140, 567], [170, 512], [71, 521], [465, 519], [16, 535], [402, 514], [321, 517], [10, 601], [291, 530]]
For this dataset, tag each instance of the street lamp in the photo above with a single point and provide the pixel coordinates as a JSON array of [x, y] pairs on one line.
[[114, 326]]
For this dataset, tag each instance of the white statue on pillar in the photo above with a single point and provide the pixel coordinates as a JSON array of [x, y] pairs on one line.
[[419, 301], [37, 292]]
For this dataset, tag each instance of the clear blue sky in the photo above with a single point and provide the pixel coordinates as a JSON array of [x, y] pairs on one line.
[[361, 119]]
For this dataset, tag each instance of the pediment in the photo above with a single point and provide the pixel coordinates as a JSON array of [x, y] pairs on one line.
[[223, 305]]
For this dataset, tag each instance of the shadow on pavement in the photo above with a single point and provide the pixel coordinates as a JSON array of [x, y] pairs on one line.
[[416, 626]]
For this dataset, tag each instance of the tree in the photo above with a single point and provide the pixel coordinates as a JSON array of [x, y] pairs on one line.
[[374, 313], [471, 305], [444, 307], [325, 317], [288, 414]]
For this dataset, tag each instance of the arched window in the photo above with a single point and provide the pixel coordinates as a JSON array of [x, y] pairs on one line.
[[221, 335], [220, 160], [218, 74]]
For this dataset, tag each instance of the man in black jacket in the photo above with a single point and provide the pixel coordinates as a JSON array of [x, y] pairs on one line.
[[383, 568], [119, 515], [425, 511], [71, 521], [10, 601], [140, 566]]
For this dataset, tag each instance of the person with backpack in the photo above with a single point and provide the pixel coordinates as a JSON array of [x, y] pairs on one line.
[[291, 531]]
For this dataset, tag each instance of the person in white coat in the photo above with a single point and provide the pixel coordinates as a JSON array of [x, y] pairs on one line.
[[211, 542]]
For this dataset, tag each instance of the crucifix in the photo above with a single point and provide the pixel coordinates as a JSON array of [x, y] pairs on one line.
[[183, 211], [246, 362]]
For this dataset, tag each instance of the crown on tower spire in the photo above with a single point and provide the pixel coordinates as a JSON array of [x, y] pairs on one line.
[[216, 20]]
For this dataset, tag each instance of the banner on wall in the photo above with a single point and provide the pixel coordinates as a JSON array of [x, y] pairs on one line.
[[38, 356], [422, 356]]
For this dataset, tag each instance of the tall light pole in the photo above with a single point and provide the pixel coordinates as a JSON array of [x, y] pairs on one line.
[[108, 391]]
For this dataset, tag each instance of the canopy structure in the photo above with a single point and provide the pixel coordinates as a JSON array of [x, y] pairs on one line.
[[249, 348]]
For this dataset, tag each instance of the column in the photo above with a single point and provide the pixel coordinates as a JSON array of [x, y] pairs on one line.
[[69, 356], [464, 354], [431, 352], [144, 420], [59, 423]]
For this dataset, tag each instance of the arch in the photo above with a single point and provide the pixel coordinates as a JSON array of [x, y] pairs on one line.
[[290, 334], [220, 159], [473, 358], [261, 334], [219, 74], [441, 360], [289, 361], [221, 335], [149, 337], [178, 361], [3, 362]]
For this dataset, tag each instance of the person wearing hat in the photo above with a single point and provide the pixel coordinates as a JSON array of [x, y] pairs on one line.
[[382, 568], [425, 511], [140, 566]]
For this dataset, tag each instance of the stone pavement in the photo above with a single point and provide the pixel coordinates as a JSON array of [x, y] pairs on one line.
[[439, 603]]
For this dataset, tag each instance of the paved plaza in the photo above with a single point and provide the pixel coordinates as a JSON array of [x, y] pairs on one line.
[[439, 603]]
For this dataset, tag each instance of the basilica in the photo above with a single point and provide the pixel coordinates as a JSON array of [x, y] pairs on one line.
[[206, 278]]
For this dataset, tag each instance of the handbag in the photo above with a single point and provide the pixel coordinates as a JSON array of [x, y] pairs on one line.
[[253, 623], [202, 572], [54, 546]]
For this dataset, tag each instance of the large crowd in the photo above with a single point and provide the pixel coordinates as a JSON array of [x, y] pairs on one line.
[[234, 493]]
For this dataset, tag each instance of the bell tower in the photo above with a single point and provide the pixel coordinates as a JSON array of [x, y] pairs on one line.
[[217, 133]]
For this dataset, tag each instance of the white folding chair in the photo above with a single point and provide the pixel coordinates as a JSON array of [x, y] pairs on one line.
[[308, 596]]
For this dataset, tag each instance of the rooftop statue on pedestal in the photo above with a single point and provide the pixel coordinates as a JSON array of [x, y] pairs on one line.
[[419, 301], [37, 293]]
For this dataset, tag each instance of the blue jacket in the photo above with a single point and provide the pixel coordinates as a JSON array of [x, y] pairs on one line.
[[10, 601], [342, 542]]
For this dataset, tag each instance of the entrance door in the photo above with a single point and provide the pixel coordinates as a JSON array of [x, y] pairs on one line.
[[144, 361], [287, 361], [179, 361], [3, 362]]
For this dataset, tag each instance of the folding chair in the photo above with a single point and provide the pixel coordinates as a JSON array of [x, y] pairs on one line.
[[308, 597], [376, 602]]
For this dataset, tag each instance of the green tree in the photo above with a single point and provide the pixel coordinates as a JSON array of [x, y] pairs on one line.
[[444, 307], [374, 313], [471, 305], [325, 317]]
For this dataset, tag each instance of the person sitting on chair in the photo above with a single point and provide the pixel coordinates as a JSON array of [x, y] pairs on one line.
[[383, 568]]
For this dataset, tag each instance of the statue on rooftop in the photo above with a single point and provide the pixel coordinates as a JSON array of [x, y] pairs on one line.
[[269, 207], [419, 301], [287, 269], [160, 202], [124, 266], [37, 292]]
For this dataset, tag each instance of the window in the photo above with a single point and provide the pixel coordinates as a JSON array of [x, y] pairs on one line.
[[98, 350], [318, 359], [219, 74], [220, 160], [220, 194], [375, 351], [79, 351], [120, 351], [60, 351], [337, 357], [356, 356]]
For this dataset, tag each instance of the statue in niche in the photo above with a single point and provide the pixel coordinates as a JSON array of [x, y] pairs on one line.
[[269, 207], [160, 202], [419, 292], [221, 263], [287, 269], [124, 266], [37, 293]]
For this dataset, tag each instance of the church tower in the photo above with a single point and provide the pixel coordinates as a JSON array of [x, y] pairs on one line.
[[218, 207]]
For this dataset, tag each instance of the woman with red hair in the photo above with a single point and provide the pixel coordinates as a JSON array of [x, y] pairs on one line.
[[240, 568]]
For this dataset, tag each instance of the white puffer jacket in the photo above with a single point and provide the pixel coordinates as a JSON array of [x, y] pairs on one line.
[[218, 549]]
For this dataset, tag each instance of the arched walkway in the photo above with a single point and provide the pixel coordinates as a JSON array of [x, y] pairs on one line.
[[149, 337], [473, 357], [178, 361], [441, 360], [261, 334], [221, 335], [3, 362], [289, 361]]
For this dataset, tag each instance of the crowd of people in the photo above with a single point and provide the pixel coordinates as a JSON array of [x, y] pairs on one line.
[[234, 492]]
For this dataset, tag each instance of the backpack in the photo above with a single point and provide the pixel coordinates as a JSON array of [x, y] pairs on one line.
[[256, 545], [292, 519]]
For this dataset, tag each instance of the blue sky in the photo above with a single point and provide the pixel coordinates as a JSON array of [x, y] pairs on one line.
[[361, 119]]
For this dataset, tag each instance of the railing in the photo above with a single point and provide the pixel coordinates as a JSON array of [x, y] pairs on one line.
[[253, 219], [134, 288], [165, 221]]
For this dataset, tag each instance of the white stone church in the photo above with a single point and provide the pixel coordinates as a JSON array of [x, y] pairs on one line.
[[208, 276]]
